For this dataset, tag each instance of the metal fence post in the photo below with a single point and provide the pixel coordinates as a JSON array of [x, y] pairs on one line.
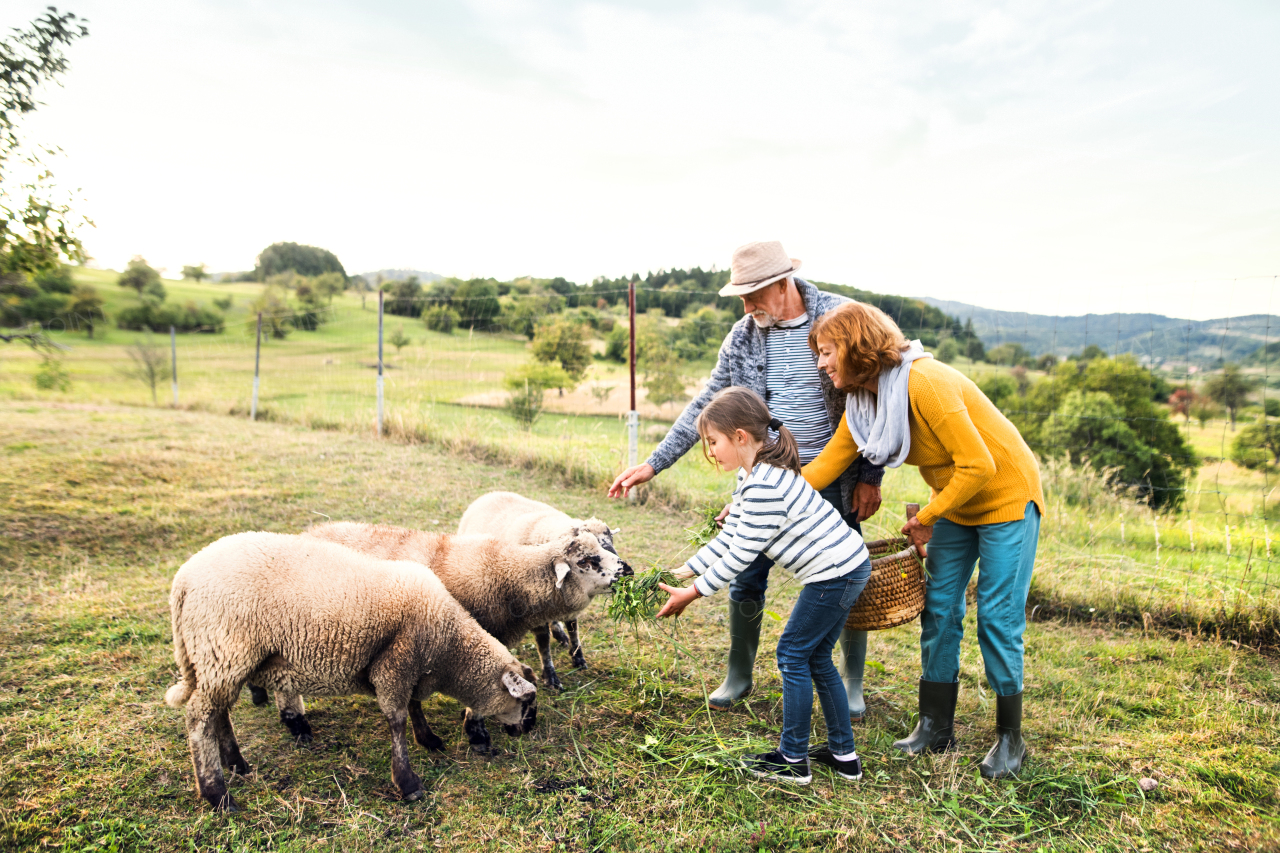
[[173, 353], [257, 361], [381, 294]]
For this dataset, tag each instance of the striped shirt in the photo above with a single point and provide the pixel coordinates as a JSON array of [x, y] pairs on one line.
[[776, 512], [793, 386]]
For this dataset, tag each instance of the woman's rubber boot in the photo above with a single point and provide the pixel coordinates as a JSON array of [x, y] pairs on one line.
[[744, 639], [936, 730], [851, 662], [1005, 758]]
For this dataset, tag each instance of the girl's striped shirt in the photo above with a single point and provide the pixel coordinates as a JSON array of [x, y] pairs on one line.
[[777, 513]]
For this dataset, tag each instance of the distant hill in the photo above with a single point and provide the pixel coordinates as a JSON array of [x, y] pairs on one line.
[[1154, 338], [399, 275]]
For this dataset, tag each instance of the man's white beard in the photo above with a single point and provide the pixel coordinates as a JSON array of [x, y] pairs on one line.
[[763, 319]]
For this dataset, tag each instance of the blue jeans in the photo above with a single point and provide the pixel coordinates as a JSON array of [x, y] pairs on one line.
[[1008, 554], [804, 660], [751, 583]]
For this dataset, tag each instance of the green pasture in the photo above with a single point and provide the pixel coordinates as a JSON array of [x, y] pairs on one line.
[[101, 503], [1103, 548]]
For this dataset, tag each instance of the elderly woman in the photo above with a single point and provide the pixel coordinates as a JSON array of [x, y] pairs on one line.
[[905, 406]]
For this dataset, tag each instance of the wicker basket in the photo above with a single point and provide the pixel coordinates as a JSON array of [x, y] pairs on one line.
[[894, 594]]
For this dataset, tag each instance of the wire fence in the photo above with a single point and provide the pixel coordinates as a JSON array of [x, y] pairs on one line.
[[1192, 542]]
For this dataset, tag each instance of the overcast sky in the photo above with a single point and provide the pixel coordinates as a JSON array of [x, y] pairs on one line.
[[1057, 157]]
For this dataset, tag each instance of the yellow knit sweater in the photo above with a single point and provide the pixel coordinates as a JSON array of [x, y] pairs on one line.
[[972, 457]]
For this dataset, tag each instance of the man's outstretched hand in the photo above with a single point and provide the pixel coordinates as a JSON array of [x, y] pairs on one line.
[[631, 478]]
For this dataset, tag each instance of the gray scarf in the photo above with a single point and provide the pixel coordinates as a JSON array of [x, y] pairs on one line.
[[878, 422]]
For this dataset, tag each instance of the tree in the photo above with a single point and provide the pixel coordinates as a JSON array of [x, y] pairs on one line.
[[1181, 401], [441, 318], [663, 378], [1271, 407], [399, 339], [150, 363], [477, 302], [85, 308], [404, 297], [528, 385], [330, 284], [36, 232], [1090, 428], [1204, 410], [1000, 389], [1130, 387], [140, 276], [195, 273], [947, 351], [277, 316], [601, 393], [1230, 389], [564, 341], [304, 260], [1252, 446], [1047, 362]]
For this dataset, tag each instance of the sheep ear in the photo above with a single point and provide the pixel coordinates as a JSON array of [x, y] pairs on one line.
[[517, 686], [562, 571], [615, 531]]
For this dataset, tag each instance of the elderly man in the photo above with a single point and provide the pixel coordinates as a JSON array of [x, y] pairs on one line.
[[768, 352]]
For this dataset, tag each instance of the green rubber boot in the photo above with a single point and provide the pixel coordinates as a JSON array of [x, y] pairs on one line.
[[1005, 758], [850, 663], [744, 639], [936, 730]]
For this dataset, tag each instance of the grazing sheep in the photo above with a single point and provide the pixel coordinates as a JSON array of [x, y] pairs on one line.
[[297, 614], [509, 589], [528, 522]]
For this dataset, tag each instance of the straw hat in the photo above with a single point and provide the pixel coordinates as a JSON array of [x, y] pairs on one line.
[[756, 265]]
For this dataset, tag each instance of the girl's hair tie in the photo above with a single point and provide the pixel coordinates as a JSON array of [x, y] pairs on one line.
[[775, 424]]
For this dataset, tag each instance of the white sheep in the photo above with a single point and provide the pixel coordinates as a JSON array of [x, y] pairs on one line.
[[300, 615], [509, 589], [528, 522]]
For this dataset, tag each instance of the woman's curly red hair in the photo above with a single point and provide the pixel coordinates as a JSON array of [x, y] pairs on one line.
[[866, 341]]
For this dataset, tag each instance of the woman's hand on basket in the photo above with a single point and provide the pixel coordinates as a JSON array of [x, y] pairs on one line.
[[681, 597], [919, 535]]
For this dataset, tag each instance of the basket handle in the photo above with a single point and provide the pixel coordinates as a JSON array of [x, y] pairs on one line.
[[912, 509]]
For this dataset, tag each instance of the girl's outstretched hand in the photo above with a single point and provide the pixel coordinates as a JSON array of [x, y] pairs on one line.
[[681, 597]]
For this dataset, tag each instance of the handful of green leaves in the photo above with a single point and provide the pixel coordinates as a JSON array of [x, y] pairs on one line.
[[638, 597], [706, 528]]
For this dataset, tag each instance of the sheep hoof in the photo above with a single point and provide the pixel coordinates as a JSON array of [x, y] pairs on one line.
[[558, 632], [297, 725], [258, 695], [579, 662], [553, 680], [415, 795], [433, 743]]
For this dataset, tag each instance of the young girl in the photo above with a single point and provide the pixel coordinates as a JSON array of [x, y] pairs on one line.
[[776, 512]]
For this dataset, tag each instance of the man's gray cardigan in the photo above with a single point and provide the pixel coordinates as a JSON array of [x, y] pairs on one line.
[[742, 362]]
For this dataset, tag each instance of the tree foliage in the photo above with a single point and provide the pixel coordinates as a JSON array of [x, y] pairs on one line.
[[1229, 389], [36, 233], [1062, 415], [1257, 444], [195, 272], [304, 260], [150, 363], [140, 276], [564, 341]]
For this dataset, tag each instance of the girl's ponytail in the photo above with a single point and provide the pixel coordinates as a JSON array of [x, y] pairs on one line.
[[782, 452], [741, 408]]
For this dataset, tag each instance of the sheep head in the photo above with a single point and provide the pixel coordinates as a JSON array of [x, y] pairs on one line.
[[582, 556], [516, 702]]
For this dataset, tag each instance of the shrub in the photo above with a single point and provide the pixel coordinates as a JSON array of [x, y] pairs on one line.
[[1000, 389], [148, 316], [564, 341], [51, 375], [1256, 445], [477, 301], [527, 385], [1271, 407], [947, 351], [441, 318]]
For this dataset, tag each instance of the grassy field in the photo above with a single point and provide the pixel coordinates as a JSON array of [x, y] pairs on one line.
[[1209, 567], [101, 504]]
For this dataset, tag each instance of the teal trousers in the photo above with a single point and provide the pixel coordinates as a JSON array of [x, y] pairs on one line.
[[1007, 552]]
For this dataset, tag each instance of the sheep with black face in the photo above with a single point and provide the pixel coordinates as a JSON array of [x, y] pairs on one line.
[[300, 615], [510, 589], [528, 522]]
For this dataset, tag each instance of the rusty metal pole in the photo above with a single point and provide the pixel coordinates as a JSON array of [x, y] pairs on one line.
[[633, 417]]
